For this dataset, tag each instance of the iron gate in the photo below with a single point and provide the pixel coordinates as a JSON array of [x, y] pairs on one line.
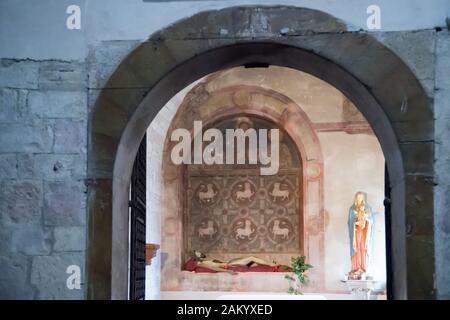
[[137, 224]]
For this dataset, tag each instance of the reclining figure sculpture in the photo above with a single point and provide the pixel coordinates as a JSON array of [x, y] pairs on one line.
[[221, 266]]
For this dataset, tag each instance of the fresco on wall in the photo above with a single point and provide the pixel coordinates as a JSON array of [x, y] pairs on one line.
[[234, 209]]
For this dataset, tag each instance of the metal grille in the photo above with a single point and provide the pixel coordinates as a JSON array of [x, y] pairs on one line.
[[137, 221]]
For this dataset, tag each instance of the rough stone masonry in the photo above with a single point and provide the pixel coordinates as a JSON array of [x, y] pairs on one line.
[[43, 125]]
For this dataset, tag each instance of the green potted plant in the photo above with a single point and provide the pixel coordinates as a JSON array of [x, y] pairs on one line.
[[299, 279]]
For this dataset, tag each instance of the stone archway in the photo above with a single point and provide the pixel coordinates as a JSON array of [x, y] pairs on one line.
[[376, 80]]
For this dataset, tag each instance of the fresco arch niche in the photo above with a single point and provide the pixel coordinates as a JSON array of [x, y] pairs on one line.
[[226, 104]]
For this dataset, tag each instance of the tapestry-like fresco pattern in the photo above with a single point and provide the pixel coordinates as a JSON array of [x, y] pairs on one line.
[[243, 213]]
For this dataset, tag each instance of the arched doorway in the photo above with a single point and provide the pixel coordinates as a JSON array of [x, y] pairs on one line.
[[369, 74]]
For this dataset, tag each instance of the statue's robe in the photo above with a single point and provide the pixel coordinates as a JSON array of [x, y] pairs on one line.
[[360, 238]]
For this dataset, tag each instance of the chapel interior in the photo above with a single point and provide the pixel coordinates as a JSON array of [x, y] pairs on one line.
[[327, 154]]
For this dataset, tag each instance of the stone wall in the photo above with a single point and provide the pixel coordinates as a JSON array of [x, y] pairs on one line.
[[43, 116], [442, 164], [427, 53]]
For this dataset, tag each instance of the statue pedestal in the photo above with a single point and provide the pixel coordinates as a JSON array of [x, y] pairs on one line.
[[361, 289]]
